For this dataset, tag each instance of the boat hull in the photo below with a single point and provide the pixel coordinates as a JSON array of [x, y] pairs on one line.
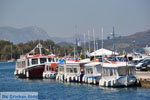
[[32, 72], [122, 81]]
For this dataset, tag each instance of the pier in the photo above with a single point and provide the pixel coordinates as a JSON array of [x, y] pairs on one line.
[[143, 79]]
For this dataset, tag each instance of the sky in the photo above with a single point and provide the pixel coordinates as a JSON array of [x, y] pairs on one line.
[[59, 17]]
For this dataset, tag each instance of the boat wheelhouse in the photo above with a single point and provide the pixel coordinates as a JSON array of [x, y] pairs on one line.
[[117, 74], [92, 72]]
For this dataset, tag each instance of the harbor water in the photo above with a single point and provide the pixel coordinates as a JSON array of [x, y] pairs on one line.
[[56, 90]]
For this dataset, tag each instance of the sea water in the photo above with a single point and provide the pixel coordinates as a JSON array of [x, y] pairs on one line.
[[55, 90]]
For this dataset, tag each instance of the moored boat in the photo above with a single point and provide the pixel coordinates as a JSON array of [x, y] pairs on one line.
[[92, 72], [33, 66], [118, 74]]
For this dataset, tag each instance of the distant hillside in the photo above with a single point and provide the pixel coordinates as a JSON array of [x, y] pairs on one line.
[[64, 44], [25, 34], [135, 41], [16, 35], [63, 39]]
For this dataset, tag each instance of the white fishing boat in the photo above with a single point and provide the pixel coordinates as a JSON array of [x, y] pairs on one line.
[[70, 72], [92, 72], [50, 71], [117, 74], [11, 59]]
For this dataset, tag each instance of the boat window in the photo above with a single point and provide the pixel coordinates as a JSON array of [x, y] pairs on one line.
[[111, 72], [28, 62], [122, 71], [53, 60], [107, 72], [19, 64], [34, 61], [75, 70], [69, 70], [98, 69], [131, 71], [115, 71], [61, 69], [89, 71], [23, 63], [49, 59], [42, 60], [52, 68]]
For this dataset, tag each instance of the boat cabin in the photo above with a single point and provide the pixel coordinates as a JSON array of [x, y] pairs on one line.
[[92, 72], [35, 60], [72, 68], [114, 70], [118, 74], [92, 69]]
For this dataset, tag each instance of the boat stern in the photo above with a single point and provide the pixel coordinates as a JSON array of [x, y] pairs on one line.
[[126, 81]]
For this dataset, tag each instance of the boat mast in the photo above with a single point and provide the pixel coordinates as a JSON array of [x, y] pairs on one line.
[[102, 37], [89, 39], [102, 44], [40, 47], [84, 42], [76, 41], [114, 48], [11, 51], [94, 38], [94, 42]]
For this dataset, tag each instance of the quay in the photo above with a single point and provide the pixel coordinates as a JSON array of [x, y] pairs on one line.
[[143, 78]]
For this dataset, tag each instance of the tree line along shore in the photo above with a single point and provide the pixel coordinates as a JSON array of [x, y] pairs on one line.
[[9, 50]]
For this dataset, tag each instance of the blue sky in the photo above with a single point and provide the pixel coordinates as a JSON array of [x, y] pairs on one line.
[[59, 17]]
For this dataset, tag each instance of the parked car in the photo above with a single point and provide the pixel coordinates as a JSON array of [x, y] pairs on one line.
[[143, 65], [137, 61]]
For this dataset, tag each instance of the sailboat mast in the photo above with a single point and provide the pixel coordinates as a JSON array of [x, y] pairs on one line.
[[84, 43], [89, 39], [94, 42], [11, 51], [114, 48], [76, 39], [94, 38], [102, 37]]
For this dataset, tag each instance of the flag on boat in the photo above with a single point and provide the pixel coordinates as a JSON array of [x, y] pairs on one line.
[[87, 53], [39, 46]]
